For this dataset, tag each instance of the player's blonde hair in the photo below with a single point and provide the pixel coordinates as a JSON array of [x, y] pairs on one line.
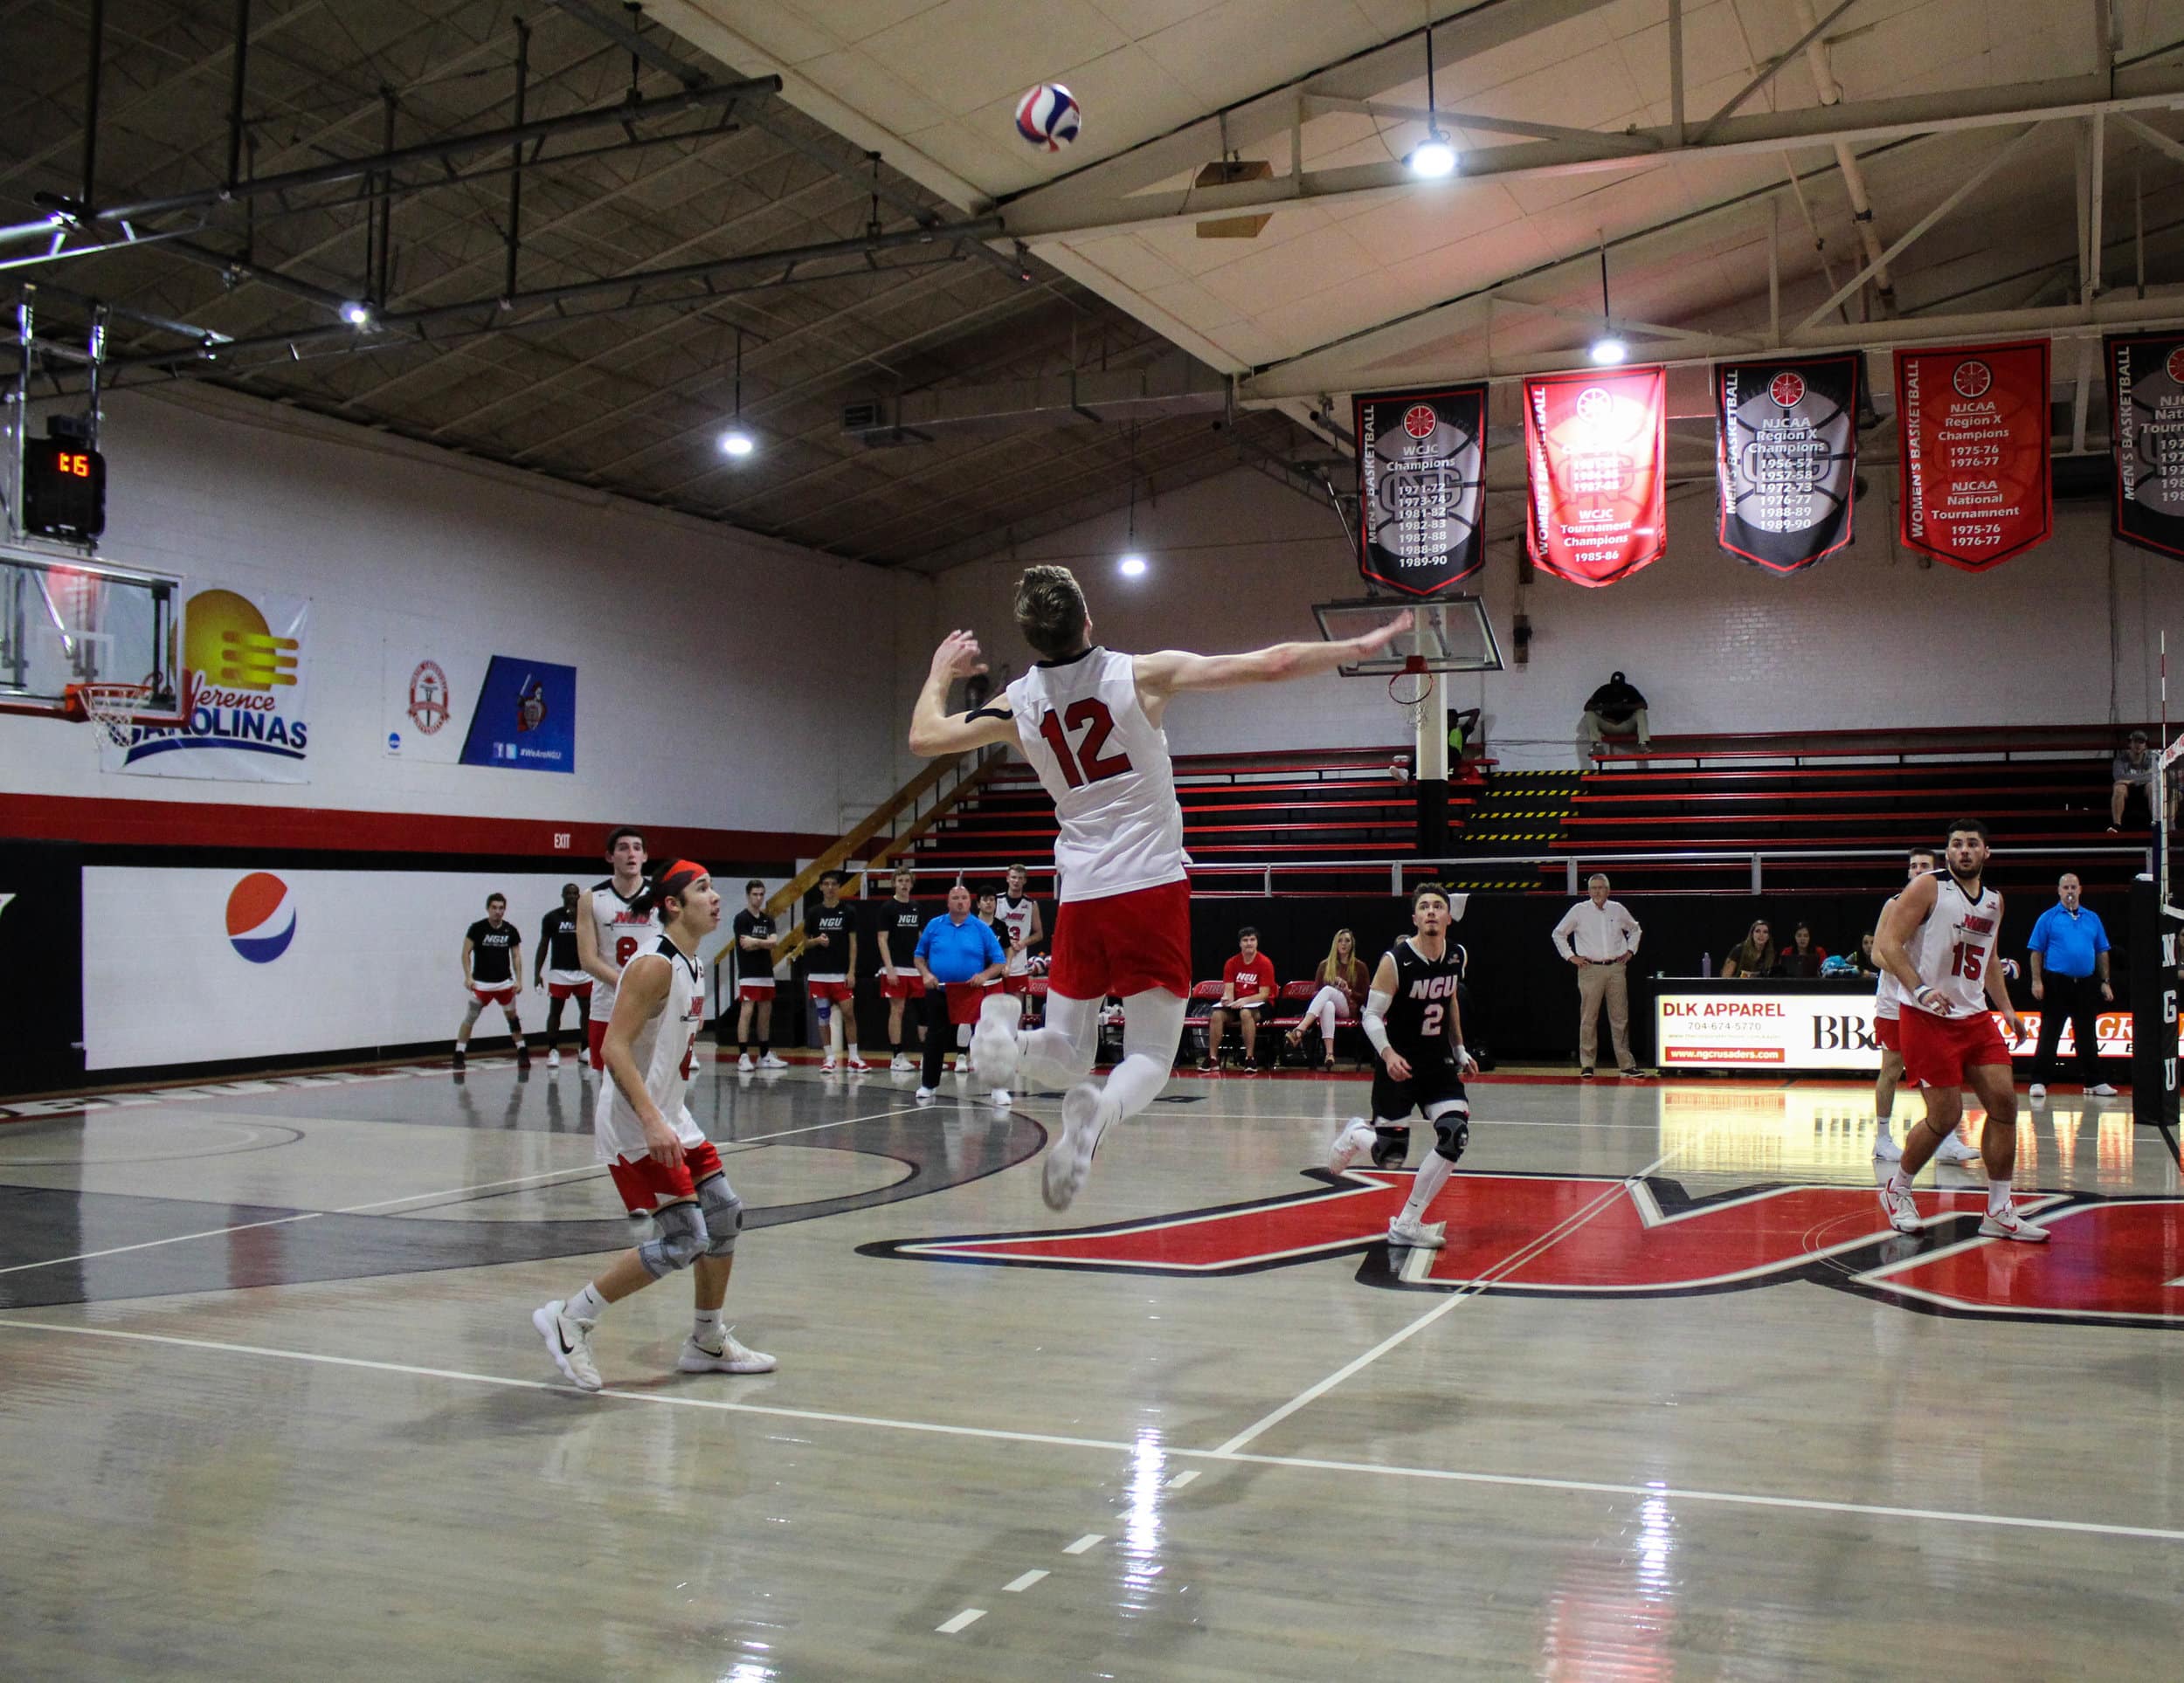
[[1050, 610]]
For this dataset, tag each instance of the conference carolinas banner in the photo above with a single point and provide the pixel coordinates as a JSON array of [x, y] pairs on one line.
[[1785, 458], [246, 702], [1596, 496], [2145, 395], [1421, 487], [1971, 435]]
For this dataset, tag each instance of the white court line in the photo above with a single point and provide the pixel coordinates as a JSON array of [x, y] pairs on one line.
[[1455, 1300], [1116, 1446], [583, 1171], [1182, 1479], [969, 1616], [1016, 1586]]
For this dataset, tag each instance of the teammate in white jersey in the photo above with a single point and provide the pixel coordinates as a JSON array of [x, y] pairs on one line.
[[1019, 914], [1888, 1001], [1088, 720], [661, 1164], [1937, 939], [612, 930]]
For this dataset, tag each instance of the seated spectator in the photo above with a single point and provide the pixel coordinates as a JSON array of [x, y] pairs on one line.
[[1247, 987], [1343, 980], [1614, 709], [1754, 954], [1803, 957], [1867, 964], [2133, 769]]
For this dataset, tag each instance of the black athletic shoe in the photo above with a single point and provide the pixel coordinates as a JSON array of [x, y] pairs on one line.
[[1250, 1067], [460, 1060], [1585, 1074], [523, 1057]]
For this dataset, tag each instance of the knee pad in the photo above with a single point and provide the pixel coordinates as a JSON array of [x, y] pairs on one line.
[[823, 1009], [724, 1213], [681, 1240], [1391, 1145], [1452, 1129]]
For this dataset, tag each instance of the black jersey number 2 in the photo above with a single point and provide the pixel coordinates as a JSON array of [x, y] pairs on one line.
[[1093, 724]]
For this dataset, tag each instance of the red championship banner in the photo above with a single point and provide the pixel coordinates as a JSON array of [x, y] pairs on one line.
[[1971, 435], [1595, 498]]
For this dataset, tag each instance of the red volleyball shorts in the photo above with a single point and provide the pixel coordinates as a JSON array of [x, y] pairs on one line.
[[1942, 1052], [844, 991], [911, 986], [1886, 1031], [761, 992], [569, 991], [1124, 944], [502, 997], [646, 1182]]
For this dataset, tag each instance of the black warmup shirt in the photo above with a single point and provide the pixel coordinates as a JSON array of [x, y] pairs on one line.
[[902, 921], [750, 966], [491, 950], [557, 934], [837, 925]]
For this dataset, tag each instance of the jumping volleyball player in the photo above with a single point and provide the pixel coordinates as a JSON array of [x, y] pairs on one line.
[[662, 1165], [1088, 720], [1412, 1020]]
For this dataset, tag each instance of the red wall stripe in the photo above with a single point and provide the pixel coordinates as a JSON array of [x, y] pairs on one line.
[[205, 824]]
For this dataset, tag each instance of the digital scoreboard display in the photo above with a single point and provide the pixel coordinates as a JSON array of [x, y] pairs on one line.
[[63, 490]]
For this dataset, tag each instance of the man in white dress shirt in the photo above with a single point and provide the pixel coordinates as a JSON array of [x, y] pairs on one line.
[[1600, 937]]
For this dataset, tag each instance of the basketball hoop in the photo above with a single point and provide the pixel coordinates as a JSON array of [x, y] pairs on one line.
[[1412, 688], [113, 708]]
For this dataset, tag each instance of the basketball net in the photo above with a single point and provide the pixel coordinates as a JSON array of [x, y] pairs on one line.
[[113, 708], [1412, 688]]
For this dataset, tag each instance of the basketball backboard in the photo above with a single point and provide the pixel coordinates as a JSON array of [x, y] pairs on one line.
[[76, 620], [1448, 633]]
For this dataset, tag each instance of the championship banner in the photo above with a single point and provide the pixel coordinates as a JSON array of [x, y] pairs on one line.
[[1785, 457], [1421, 487], [2146, 398], [1971, 435], [1596, 497], [245, 701]]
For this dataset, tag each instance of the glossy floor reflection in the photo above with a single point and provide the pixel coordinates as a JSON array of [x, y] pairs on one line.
[[1673, 1402]]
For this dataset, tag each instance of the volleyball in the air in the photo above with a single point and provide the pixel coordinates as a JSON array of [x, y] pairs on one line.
[[1047, 116]]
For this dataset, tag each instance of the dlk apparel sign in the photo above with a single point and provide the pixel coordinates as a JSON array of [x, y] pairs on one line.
[[1421, 487], [246, 703], [1766, 1028], [2146, 400], [1596, 497], [1971, 434], [1785, 458]]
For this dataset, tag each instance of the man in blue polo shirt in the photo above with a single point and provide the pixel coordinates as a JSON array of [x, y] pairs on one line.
[[2069, 960], [955, 955]]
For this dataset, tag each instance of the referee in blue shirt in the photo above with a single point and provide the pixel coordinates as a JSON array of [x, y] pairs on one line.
[[2069, 959], [955, 949]]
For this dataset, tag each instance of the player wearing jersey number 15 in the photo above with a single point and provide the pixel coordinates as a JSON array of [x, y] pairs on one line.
[[1088, 722]]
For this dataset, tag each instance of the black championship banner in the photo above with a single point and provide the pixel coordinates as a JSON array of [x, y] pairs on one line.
[[1786, 454], [1421, 487], [2146, 398]]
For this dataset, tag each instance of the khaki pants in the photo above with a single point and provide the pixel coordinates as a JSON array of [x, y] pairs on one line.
[[1595, 983], [1592, 729]]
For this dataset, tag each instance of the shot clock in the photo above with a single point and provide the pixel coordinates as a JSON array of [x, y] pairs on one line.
[[63, 490]]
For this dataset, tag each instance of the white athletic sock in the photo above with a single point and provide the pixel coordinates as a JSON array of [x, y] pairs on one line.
[[1060, 1054], [587, 1305], [1152, 1026], [1426, 1185], [462, 1045], [834, 1034], [707, 1326], [1896, 1181], [1997, 1197]]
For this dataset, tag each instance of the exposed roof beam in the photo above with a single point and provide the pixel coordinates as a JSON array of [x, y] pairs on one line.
[[1036, 221]]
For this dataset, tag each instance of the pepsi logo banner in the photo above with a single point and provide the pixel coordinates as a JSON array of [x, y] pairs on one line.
[[1785, 458], [1596, 497], [2145, 395], [1421, 487], [1971, 434]]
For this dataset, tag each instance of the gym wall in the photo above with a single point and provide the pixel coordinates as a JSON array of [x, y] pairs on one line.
[[1869, 638]]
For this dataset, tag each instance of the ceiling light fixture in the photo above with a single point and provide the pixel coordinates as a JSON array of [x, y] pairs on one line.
[[737, 441], [357, 315], [1132, 564], [1609, 349], [1434, 157]]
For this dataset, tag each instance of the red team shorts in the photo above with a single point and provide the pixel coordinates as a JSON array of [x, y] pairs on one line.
[[1886, 1031], [595, 1041], [1124, 944], [1942, 1052], [646, 1182], [760, 992], [844, 991], [903, 987], [502, 997], [569, 991]]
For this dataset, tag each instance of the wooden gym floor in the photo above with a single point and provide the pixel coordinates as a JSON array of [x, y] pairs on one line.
[[1673, 1403]]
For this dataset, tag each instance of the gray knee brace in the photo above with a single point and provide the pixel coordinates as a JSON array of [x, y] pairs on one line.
[[1452, 1130], [681, 1240], [723, 1215]]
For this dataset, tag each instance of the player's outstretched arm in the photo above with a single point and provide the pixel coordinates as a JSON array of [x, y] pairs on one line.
[[1900, 920], [1171, 671], [933, 731], [642, 996]]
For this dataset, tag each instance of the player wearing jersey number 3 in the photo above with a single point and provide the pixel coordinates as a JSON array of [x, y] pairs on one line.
[[1088, 719], [1937, 939]]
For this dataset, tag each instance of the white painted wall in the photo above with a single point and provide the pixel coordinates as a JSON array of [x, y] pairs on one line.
[[1868, 637], [741, 683]]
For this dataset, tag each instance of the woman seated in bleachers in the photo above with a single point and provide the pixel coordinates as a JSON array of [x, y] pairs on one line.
[[1754, 954], [1803, 957], [1343, 980], [1868, 963]]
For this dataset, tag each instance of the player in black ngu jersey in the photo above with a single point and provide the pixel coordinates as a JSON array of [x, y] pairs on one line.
[[1412, 1019]]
